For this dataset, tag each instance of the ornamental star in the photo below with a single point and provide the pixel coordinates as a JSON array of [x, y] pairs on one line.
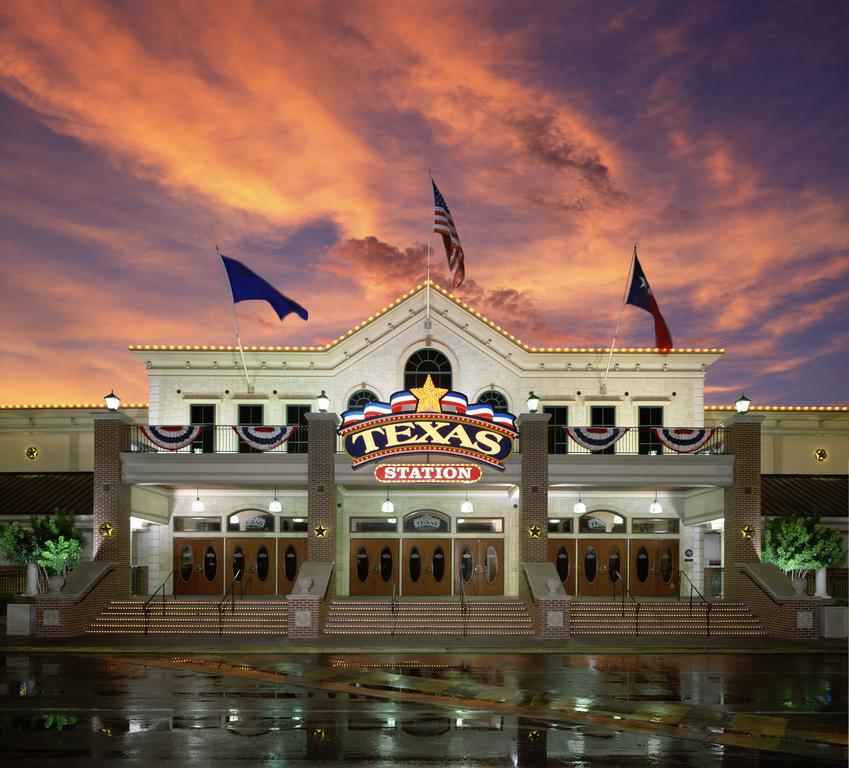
[[321, 531], [746, 532], [106, 529], [645, 286], [534, 531], [428, 397]]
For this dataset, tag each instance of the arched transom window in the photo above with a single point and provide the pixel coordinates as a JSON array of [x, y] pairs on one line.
[[424, 363], [361, 398], [494, 399]]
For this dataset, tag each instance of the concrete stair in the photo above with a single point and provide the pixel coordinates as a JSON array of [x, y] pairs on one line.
[[668, 618], [365, 616], [193, 617]]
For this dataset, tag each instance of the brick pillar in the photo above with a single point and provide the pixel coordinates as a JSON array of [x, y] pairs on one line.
[[742, 501], [321, 490], [533, 491], [111, 503]]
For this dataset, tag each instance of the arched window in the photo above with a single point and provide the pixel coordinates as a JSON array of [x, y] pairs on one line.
[[360, 399], [424, 363], [494, 399]]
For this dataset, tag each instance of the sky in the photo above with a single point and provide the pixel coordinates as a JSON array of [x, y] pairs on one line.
[[134, 137]]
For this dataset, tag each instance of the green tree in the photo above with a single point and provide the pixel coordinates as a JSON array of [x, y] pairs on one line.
[[60, 556], [60, 523], [18, 544], [798, 544]]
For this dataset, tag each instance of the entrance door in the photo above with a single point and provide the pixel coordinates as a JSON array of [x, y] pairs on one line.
[[291, 554], [198, 566], [561, 552], [427, 567], [600, 564], [254, 558], [480, 564], [654, 567], [374, 566]]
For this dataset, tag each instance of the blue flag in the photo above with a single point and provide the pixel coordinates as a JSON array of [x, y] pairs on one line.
[[246, 285]]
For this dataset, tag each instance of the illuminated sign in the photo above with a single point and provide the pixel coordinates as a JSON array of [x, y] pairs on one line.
[[428, 473], [431, 420]]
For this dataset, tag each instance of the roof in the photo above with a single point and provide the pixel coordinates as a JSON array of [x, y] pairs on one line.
[[420, 287], [39, 493], [826, 495]]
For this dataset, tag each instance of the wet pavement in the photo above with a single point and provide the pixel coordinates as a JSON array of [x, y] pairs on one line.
[[423, 709]]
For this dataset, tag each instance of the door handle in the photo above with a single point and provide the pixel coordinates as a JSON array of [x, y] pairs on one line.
[[374, 569], [478, 569], [602, 569], [655, 570], [428, 570], [198, 568], [251, 568]]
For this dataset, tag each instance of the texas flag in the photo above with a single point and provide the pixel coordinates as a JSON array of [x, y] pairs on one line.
[[640, 295]]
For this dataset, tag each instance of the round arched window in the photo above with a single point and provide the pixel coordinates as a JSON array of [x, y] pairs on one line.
[[495, 400], [424, 363], [360, 399]]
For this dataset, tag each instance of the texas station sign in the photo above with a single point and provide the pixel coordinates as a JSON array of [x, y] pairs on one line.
[[428, 473], [429, 420]]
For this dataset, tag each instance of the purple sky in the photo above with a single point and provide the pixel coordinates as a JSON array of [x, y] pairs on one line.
[[135, 137]]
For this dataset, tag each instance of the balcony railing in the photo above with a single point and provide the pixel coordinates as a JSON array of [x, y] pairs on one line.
[[636, 441], [215, 438]]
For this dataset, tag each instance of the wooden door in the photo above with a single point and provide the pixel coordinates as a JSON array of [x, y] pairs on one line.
[[291, 554], [654, 567], [561, 553], [427, 567], [198, 566], [254, 561], [374, 566], [480, 564], [600, 564]]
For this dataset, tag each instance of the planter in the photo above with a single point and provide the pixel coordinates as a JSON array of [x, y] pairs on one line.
[[834, 621], [799, 585], [56, 583], [32, 579]]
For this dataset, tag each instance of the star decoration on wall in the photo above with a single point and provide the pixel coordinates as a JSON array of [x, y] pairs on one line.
[[32, 453], [820, 454], [746, 532], [106, 529], [534, 531], [320, 734], [428, 397], [533, 735], [321, 531]]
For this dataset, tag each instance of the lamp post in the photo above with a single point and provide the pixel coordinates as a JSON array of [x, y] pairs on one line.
[[742, 404], [112, 401], [323, 402], [533, 402]]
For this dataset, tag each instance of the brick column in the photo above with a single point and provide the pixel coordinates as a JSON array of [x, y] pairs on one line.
[[533, 490], [742, 501], [321, 493], [111, 503]]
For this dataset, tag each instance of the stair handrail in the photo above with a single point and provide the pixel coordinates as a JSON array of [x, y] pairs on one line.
[[232, 592], [392, 605], [627, 591], [146, 607], [464, 606], [707, 603]]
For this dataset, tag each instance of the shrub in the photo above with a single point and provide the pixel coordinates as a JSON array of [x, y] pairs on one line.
[[798, 544], [18, 544], [60, 556]]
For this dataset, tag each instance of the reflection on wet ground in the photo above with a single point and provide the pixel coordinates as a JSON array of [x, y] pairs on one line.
[[519, 710]]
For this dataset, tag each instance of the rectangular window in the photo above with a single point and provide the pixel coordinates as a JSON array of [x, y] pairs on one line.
[[560, 525], [374, 524], [558, 440], [197, 524], [650, 416], [654, 525], [603, 416], [249, 415], [296, 415], [293, 524], [480, 525], [203, 415]]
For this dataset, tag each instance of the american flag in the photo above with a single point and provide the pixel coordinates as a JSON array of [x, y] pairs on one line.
[[444, 225]]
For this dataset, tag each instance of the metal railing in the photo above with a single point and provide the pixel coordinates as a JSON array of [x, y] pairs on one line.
[[464, 606], [392, 605], [146, 607], [627, 591], [231, 590], [215, 438], [694, 588], [636, 441]]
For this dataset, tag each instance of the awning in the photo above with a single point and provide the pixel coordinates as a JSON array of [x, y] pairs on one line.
[[826, 495], [39, 493]]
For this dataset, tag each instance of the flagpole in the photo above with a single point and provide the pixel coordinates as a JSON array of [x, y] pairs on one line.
[[235, 327], [429, 242], [618, 318]]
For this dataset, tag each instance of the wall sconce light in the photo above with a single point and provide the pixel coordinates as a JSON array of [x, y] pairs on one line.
[[323, 402], [197, 504], [655, 508], [112, 401], [533, 402], [742, 404], [275, 505]]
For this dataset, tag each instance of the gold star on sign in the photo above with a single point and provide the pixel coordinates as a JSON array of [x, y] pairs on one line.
[[428, 397], [106, 529], [534, 531], [746, 532], [321, 531]]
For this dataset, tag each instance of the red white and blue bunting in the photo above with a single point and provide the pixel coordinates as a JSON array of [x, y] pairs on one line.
[[263, 438], [171, 438], [683, 439], [596, 438]]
